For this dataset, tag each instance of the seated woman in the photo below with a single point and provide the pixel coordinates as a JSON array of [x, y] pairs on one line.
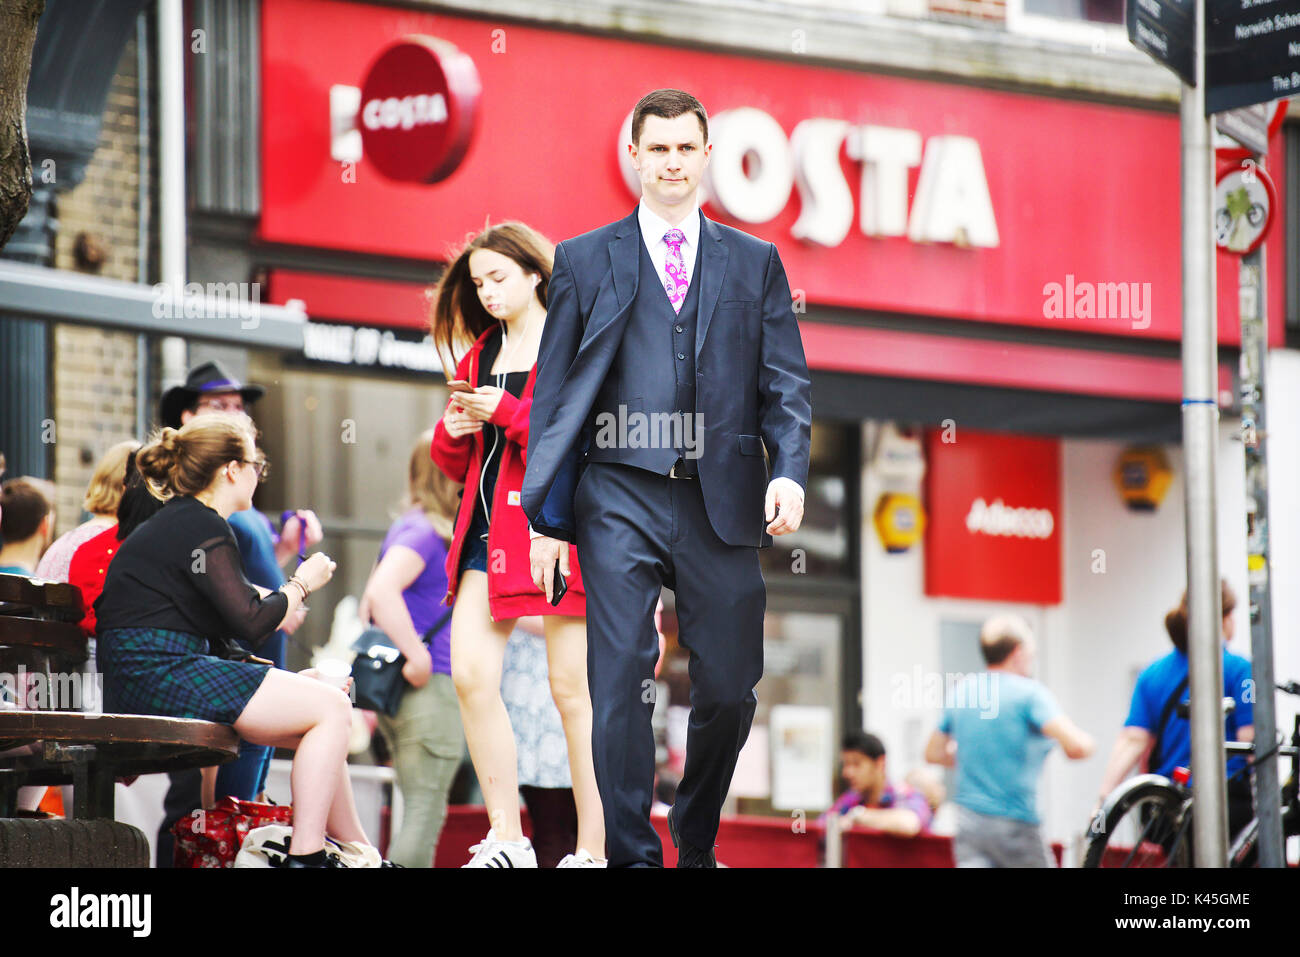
[[176, 587]]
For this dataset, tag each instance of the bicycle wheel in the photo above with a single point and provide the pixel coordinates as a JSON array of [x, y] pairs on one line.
[[1148, 823]]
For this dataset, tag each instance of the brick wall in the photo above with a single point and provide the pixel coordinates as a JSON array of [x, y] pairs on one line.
[[94, 370]]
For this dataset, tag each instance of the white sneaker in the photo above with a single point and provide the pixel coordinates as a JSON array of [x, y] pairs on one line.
[[582, 859], [491, 852]]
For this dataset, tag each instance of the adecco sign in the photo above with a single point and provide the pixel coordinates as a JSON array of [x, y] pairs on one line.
[[417, 109], [754, 169], [994, 503]]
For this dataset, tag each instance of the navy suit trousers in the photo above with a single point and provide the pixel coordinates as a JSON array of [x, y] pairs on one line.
[[637, 532]]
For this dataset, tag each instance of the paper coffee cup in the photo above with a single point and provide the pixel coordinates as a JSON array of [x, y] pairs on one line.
[[334, 672]]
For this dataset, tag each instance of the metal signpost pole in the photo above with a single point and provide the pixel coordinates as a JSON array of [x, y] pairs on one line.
[[1254, 361], [1200, 434]]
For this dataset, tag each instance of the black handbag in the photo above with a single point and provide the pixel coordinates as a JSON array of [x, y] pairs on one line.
[[377, 682]]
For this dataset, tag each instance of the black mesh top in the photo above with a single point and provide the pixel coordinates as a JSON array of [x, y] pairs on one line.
[[181, 571], [494, 437]]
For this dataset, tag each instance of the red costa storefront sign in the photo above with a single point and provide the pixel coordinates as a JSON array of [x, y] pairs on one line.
[[418, 105], [994, 503], [883, 193]]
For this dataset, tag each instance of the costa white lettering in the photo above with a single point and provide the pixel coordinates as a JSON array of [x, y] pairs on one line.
[[998, 519], [407, 112], [753, 170], [759, 193], [827, 213], [886, 155], [952, 202]]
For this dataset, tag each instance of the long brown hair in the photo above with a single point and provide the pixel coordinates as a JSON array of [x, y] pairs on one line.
[[458, 317], [184, 461], [430, 488], [1176, 620]]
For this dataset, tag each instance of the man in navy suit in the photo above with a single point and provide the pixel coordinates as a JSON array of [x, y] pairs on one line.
[[670, 363]]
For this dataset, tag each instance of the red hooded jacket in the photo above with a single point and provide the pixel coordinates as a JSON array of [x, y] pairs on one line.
[[511, 592]]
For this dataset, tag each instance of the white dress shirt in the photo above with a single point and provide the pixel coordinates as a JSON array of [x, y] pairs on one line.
[[653, 228]]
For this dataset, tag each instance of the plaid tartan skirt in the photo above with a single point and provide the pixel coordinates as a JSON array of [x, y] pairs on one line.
[[170, 673]]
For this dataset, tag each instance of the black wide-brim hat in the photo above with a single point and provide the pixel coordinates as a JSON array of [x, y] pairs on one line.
[[205, 378]]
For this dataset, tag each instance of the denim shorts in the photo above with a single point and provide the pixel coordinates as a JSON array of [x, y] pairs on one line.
[[474, 550]]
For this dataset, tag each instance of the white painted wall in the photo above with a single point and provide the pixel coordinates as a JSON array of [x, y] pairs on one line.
[[1284, 505], [1092, 646]]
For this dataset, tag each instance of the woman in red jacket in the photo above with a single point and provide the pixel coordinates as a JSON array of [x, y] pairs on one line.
[[494, 294]]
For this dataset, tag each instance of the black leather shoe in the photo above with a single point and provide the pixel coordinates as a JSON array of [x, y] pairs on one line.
[[689, 855], [331, 861]]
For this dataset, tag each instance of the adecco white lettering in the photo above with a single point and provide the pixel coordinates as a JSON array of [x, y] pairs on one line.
[[998, 519], [407, 112], [952, 202]]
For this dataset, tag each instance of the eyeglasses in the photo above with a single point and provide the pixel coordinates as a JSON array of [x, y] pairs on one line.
[[262, 467]]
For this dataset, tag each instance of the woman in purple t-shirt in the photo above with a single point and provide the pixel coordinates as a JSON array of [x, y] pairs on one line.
[[404, 598]]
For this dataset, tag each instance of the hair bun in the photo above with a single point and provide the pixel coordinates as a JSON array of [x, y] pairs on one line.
[[168, 438]]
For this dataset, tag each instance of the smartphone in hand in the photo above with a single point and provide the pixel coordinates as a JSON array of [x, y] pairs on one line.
[[459, 385], [559, 587]]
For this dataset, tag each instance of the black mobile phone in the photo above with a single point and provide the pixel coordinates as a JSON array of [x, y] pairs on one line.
[[558, 585]]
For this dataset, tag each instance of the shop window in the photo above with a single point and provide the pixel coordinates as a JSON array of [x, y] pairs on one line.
[[804, 664], [822, 546], [1096, 24], [1092, 11]]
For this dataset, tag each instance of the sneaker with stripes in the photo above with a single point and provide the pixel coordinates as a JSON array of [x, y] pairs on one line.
[[582, 859], [491, 852]]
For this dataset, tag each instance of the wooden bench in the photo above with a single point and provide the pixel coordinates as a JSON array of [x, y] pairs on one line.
[[91, 751], [44, 741], [39, 628]]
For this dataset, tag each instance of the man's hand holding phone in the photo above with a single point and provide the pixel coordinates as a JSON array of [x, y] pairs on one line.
[[545, 557]]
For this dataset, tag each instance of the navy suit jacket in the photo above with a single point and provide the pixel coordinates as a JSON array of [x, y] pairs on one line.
[[752, 387]]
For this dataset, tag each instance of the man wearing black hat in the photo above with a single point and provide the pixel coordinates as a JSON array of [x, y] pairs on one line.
[[209, 387]]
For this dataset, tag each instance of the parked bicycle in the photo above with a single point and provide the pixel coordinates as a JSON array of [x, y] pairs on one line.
[[1147, 820]]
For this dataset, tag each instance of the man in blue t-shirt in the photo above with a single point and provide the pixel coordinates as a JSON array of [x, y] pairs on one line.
[[997, 729], [1156, 737]]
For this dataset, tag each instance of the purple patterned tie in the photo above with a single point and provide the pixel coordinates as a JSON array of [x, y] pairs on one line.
[[675, 281]]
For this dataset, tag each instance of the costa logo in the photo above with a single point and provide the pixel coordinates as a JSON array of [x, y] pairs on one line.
[[999, 519], [408, 112], [419, 103]]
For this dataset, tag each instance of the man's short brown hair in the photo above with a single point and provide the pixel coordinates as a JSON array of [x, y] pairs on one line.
[[1001, 636], [24, 507], [669, 104]]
